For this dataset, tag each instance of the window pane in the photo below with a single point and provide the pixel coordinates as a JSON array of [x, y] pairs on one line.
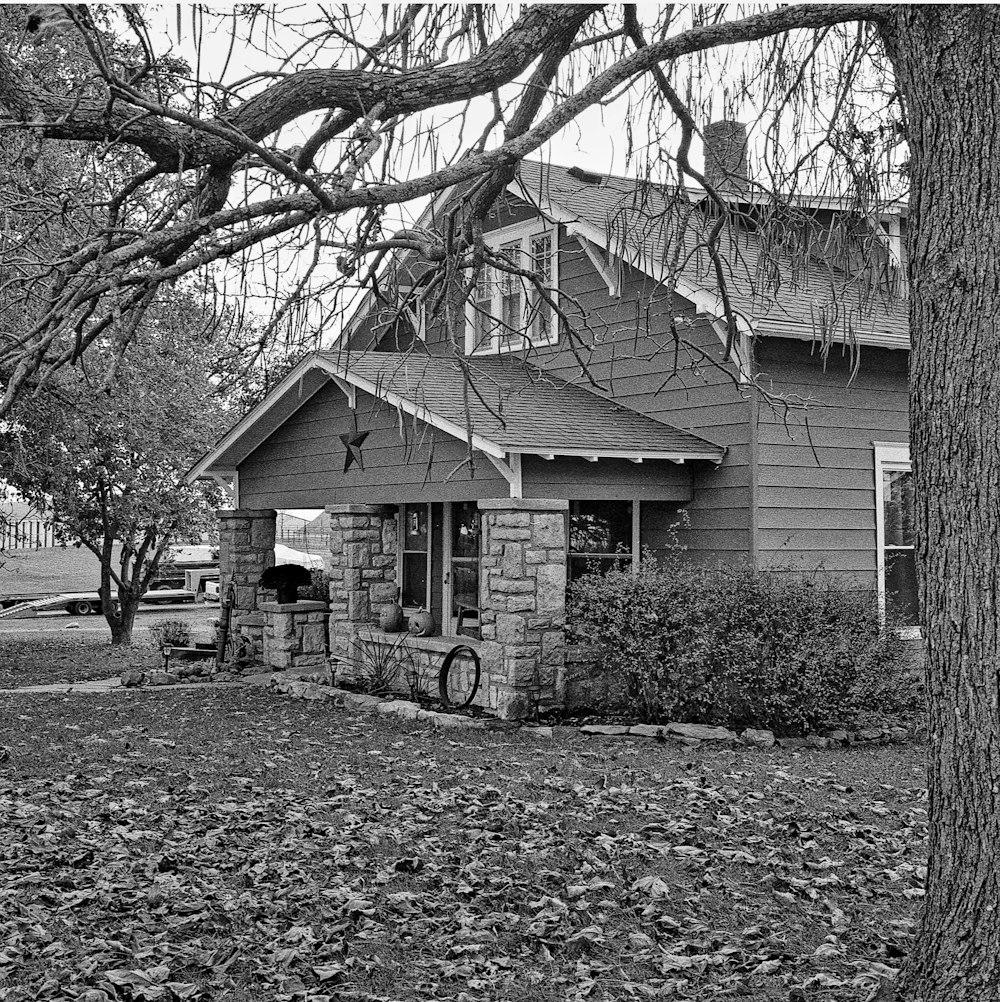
[[511, 320], [414, 579], [901, 585], [415, 533], [899, 508], [465, 584], [578, 566], [465, 558], [600, 526], [465, 529], [541, 262]]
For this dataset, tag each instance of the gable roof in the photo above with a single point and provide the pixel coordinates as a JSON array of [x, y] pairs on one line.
[[501, 406], [640, 224], [645, 226]]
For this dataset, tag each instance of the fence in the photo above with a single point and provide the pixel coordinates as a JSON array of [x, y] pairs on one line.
[[25, 535], [305, 541]]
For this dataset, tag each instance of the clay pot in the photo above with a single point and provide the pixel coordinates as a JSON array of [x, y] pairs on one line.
[[392, 619], [422, 624]]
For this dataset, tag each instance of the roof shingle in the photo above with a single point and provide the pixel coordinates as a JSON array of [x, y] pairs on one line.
[[519, 407]]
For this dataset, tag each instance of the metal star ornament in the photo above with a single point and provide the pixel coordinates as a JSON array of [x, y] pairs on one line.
[[353, 445]]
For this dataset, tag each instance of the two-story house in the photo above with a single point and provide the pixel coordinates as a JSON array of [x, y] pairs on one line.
[[579, 408]]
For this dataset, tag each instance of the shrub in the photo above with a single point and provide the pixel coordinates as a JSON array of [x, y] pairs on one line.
[[286, 580], [318, 590], [734, 647], [381, 664], [172, 633]]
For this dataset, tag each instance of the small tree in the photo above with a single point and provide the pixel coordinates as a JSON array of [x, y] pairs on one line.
[[108, 468]]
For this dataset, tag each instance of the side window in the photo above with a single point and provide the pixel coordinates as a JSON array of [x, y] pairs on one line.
[[895, 533], [899, 548], [600, 536]]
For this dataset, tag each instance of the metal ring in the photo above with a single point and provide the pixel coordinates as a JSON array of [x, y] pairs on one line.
[[449, 660]]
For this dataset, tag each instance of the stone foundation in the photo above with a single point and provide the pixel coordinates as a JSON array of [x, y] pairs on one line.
[[415, 664], [294, 634]]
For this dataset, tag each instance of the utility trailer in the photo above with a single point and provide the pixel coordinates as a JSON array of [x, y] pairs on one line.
[[89, 602]]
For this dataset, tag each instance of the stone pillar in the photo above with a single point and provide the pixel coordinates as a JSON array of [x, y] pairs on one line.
[[246, 549], [362, 570], [294, 634], [522, 595]]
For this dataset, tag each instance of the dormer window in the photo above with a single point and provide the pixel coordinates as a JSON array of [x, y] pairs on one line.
[[506, 310]]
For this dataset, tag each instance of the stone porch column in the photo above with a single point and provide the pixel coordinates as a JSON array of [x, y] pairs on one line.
[[362, 570], [246, 549], [522, 596]]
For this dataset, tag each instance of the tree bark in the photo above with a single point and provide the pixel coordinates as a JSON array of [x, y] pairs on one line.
[[947, 62], [122, 623]]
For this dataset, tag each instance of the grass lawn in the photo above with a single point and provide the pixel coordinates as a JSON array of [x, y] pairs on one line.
[[239, 845]]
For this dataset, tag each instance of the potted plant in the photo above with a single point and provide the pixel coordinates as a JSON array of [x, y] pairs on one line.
[[286, 580]]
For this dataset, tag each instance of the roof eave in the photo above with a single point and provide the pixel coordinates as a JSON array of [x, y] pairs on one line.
[[204, 466]]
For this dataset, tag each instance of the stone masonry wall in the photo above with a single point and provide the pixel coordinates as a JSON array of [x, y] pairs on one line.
[[246, 550], [362, 574], [294, 634], [523, 601]]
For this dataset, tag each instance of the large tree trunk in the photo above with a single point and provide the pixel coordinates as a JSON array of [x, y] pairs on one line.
[[947, 62]]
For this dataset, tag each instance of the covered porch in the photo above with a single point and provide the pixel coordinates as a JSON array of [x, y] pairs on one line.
[[473, 489]]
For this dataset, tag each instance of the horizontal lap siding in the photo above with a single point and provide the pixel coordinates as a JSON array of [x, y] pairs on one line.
[[607, 479], [302, 464], [627, 347], [816, 499]]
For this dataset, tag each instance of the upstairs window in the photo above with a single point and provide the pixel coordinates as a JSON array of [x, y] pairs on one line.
[[506, 311]]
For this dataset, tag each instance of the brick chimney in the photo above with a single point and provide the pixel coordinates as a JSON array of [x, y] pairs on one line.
[[726, 156]]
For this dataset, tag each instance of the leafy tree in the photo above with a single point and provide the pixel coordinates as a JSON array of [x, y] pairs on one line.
[[107, 466], [308, 150]]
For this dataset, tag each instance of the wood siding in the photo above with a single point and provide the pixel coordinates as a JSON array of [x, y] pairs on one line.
[[816, 472], [301, 465], [607, 480], [626, 345]]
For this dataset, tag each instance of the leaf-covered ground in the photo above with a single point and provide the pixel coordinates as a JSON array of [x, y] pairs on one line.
[[46, 651], [238, 845]]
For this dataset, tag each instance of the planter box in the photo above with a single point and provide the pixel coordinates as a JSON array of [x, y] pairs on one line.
[[199, 652]]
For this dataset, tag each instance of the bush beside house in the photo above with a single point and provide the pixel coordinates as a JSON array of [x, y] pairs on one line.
[[733, 647]]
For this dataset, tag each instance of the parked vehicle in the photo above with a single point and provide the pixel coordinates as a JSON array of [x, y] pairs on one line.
[[53, 581]]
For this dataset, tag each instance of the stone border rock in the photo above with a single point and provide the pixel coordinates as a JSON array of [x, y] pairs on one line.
[[695, 734], [691, 735], [133, 678]]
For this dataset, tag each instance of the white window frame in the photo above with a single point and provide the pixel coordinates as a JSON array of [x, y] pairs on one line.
[[889, 456], [495, 239], [416, 314]]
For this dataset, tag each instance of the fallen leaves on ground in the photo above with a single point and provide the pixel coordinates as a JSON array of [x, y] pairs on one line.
[[235, 845], [78, 649]]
